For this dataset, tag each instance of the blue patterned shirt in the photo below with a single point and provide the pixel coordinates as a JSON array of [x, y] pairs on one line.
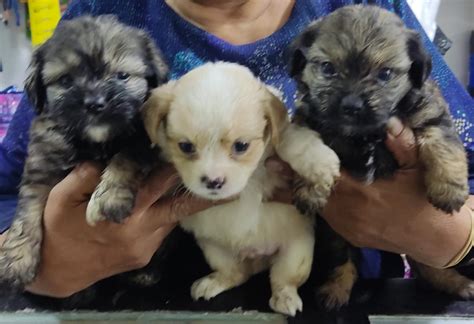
[[186, 46]]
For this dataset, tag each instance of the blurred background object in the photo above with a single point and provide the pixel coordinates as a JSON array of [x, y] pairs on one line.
[[426, 11], [456, 20], [471, 66], [449, 23]]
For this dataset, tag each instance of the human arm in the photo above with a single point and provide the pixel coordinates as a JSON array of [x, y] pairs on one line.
[[75, 255], [394, 214]]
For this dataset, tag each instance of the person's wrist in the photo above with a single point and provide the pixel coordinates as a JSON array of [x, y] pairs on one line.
[[58, 275], [446, 238], [50, 286], [464, 255]]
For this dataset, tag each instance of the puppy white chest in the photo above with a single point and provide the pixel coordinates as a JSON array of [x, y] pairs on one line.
[[250, 227]]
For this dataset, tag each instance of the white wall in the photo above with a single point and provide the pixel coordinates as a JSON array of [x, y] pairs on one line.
[[456, 19]]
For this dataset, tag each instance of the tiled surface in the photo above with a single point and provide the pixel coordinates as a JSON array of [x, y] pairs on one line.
[[142, 317], [420, 320], [15, 54]]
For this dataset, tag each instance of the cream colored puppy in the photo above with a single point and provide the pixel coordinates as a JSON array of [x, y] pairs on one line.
[[217, 125]]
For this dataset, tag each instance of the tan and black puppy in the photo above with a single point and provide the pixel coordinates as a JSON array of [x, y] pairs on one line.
[[87, 84], [355, 69]]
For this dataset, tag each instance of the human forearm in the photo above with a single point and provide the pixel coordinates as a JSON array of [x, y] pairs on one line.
[[446, 235], [76, 255]]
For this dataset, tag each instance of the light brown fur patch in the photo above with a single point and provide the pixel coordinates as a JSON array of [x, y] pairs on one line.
[[445, 169], [336, 292]]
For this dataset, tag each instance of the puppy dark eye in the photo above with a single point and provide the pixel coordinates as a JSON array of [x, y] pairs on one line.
[[122, 76], [65, 81], [187, 147], [328, 69], [384, 74], [240, 147]]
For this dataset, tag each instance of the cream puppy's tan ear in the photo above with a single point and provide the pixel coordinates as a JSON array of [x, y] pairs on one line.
[[276, 113], [156, 108]]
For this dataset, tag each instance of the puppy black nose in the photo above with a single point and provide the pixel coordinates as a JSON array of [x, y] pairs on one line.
[[216, 183], [352, 105], [94, 104]]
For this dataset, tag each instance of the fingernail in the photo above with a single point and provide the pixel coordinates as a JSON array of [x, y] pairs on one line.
[[395, 126], [274, 166]]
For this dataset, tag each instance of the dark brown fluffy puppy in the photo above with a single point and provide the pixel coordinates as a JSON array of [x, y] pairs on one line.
[[355, 69], [87, 83]]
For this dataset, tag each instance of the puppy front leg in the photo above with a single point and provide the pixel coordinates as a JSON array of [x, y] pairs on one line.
[[229, 272], [291, 268], [337, 256], [311, 159], [49, 159], [446, 169], [114, 197]]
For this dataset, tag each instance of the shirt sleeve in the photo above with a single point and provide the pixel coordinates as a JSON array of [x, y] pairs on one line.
[[12, 158], [77, 8]]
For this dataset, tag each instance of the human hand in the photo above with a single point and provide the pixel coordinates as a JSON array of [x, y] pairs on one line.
[[279, 168], [76, 255], [394, 214]]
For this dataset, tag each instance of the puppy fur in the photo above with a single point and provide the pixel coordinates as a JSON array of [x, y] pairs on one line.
[[87, 84], [355, 69], [220, 122]]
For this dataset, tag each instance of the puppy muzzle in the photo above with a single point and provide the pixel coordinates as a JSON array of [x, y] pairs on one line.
[[352, 105], [95, 103]]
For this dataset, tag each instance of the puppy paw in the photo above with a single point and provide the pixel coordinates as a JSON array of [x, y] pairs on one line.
[[209, 287], [286, 301], [16, 273], [467, 292], [110, 203], [93, 211], [333, 296], [19, 260], [321, 169], [317, 178], [448, 197], [310, 198], [336, 292], [313, 161], [145, 279]]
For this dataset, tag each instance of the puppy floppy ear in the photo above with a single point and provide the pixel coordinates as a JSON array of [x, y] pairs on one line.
[[298, 49], [157, 70], [420, 68], [34, 86], [156, 108], [275, 113]]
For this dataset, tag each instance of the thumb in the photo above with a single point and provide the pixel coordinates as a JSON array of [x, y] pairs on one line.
[[402, 143], [79, 183], [170, 210], [157, 184]]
